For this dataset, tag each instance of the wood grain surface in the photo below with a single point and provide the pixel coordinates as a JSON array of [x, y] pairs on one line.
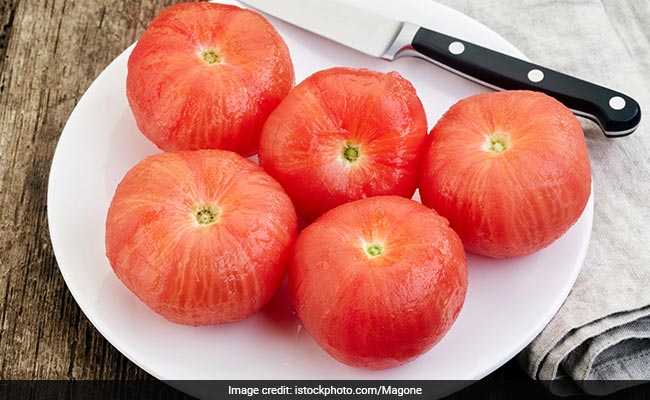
[[50, 52]]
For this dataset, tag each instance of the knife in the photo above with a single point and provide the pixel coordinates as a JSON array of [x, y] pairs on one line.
[[616, 113]]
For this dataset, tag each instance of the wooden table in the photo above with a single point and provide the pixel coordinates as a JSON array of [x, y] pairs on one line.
[[50, 52]]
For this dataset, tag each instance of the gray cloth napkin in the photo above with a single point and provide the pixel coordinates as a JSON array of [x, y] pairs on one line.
[[602, 331]]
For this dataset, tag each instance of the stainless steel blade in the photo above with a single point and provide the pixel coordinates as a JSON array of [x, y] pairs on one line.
[[340, 22]]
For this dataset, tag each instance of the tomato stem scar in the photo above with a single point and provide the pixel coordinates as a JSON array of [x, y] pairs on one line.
[[374, 249], [211, 56], [497, 143], [350, 152], [205, 214]]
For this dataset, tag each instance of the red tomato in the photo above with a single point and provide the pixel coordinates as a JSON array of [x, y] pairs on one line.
[[509, 170], [201, 237], [345, 134], [207, 75], [379, 281]]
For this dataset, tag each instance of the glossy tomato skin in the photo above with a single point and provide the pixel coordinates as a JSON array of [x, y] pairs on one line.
[[383, 311], [180, 101], [377, 115], [512, 200], [221, 270]]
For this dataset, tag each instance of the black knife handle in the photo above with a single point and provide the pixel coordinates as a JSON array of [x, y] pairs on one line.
[[617, 114]]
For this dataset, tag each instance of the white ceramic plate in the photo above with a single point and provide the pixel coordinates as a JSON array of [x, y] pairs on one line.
[[508, 301]]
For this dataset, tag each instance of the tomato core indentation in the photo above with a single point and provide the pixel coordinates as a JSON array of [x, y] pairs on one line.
[[205, 214], [497, 143], [374, 249], [211, 56], [350, 152]]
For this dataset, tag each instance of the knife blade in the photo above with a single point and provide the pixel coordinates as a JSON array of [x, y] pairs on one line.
[[616, 113]]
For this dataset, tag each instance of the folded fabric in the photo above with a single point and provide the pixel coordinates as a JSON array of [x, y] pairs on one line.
[[599, 341]]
